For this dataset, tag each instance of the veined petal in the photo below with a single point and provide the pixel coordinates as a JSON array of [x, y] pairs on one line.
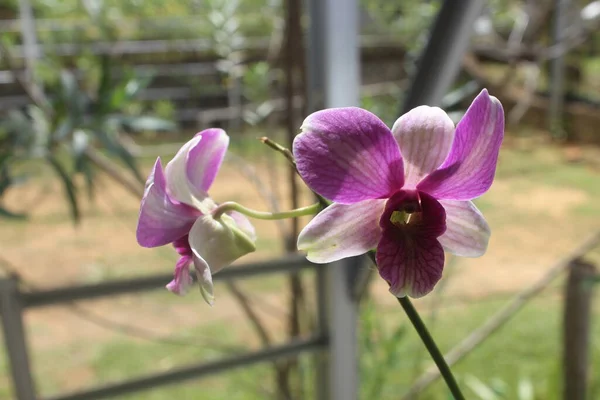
[[411, 265], [205, 158], [175, 171], [469, 170], [341, 231], [194, 168], [162, 220], [348, 155], [409, 256], [182, 246], [182, 279], [467, 232], [219, 242], [424, 135]]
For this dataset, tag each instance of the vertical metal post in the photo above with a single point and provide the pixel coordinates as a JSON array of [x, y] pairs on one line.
[[577, 314], [442, 57], [322, 384], [334, 81], [14, 338], [315, 54], [557, 68], [30, 45]]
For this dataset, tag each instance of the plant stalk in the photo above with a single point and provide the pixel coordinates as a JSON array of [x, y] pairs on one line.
[[431, 347], [232, 206]]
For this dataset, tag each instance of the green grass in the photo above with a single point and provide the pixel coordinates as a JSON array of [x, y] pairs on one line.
[[527, 347]]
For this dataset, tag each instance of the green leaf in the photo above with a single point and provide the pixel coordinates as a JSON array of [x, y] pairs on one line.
[[115, 148], [68, 186], [104, 88]]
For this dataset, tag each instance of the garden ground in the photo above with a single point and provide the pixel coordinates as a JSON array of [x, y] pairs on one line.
[[545, 200]]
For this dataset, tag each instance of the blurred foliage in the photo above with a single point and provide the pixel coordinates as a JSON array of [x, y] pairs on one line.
[[146, 19], [380, 348], [258, 80], [79, 110]]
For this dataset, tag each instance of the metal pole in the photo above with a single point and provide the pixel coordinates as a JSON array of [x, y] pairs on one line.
[[557, 69], [334, 81], [342, 88], [442, 57], [576, 329], [322, 383], [11, 308]]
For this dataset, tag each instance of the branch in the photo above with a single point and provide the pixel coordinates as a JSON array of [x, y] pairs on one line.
[[107, 166]]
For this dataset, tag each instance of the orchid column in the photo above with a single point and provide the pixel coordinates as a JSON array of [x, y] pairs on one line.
[[333, 62]]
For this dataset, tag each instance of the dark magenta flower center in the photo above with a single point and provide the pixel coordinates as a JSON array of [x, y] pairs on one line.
[[410, 212]]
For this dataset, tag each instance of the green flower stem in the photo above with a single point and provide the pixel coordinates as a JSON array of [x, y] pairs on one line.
[[232, 206], [429, 343]]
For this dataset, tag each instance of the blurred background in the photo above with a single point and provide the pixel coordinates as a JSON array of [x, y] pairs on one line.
[[92, 91]]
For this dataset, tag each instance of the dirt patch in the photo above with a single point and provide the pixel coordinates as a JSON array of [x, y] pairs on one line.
[[537, 199]]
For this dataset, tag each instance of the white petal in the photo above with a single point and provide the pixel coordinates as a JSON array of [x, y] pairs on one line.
[[467, 232], [219, 242], [425, 135], [341, 231]]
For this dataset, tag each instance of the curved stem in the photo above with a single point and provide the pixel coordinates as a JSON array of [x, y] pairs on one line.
[[232, 206], [429, 343]]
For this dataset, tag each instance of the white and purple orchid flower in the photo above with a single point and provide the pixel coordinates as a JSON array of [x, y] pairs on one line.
[[176, 208], [406, 191]]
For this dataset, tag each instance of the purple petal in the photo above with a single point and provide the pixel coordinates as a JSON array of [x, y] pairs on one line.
[[162, 220], [424, 135], [194, 168], [182, 279], [341, 231], [182, 246], [205, 158], [467, 232], [348, 155], [411, 265], [409, 256], [469, 170], [428, 219]]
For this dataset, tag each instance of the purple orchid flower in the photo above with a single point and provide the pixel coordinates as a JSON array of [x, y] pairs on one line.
[[405, 191], [176, 208]]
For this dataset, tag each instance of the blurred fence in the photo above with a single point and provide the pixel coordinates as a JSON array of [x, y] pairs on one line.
[[331, 307]]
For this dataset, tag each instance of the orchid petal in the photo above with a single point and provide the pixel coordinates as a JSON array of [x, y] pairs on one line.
[[205, 158], [182, 279], [204, 276], [425, 135], [409, 256], [244, 224], [175, 171], [194, 168], [467, 232], [341, 231], [348, 155], [182, 246], [219, 242], [161, 220], [469, 170], [411, 265]]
